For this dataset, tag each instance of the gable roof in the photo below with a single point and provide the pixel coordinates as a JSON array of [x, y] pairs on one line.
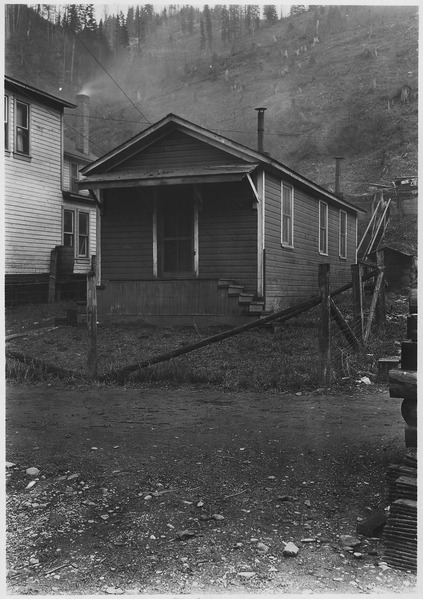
[[99, 173], [34, 93]]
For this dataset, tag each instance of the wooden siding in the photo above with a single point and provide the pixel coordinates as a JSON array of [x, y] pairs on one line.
[[192, 297], [228, 235], [32, 193], [291, 274], [176, 150], [126, 236]]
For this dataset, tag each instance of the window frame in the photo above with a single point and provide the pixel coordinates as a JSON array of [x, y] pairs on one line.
[[73, 180], [76, 234], [6, 122], [343, 239], [289, 242], [324, 251], [22, 130]]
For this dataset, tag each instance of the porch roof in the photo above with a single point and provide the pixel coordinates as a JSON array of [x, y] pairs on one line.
[[177, 176]]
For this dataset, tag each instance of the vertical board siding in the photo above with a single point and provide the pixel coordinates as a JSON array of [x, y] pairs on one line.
[[291, 274], [126, 236], [228, 235], [32, 193], [176, 149]]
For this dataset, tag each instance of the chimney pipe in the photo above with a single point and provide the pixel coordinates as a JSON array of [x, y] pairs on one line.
[[260, 129], [338, 191], [82, 124]]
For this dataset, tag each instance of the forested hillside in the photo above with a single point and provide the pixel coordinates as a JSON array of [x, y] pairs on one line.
[[336, 81]]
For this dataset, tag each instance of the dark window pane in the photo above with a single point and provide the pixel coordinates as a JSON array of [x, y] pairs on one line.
[[83, 223], [170, 263], [184, 256], [68, 221]]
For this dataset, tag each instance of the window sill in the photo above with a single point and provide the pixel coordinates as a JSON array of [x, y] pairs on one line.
[[284, 246], [23, 157], [323, 254]]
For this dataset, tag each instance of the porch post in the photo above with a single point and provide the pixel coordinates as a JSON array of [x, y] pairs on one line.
[[155, 267], [261, 182], [196, 246]]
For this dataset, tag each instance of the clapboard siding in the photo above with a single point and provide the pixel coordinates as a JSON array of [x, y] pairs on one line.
[[32, 193], [174, 151], [228, 236], [291, 273], [126, 237], [66, 184]]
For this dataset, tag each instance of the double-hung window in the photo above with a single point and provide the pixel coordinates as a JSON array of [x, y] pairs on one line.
[[323, 228], [287, 228], [22, 128], [342, 234], [76, 226], [6, 122]]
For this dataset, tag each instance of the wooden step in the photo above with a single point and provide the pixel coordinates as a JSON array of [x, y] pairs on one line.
[[234, 290], [256, 307], [224, 283], [245, 298]]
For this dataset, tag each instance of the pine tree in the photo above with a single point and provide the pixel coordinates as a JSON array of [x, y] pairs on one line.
[[224, 25], [208, 26], [270, 13], [202, 35]]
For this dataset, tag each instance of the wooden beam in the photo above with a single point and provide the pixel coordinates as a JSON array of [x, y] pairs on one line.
[[370, 318]]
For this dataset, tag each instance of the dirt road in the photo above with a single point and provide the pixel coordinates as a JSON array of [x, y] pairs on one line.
[[177, 491]]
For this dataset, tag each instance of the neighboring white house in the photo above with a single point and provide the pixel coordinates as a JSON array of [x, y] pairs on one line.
[[42, 208]]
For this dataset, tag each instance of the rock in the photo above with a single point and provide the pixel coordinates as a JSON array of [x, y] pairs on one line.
[[307, 503], [290, 550], [114, 591], [10, 464], [246, 574], [218, 517], [349, 541], [33, 471], [357, 555], [262, 548]]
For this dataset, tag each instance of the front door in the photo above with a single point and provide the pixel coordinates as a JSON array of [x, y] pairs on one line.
[[176, 235]]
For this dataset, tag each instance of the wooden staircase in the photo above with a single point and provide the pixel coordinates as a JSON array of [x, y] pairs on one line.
[[375, 230], [246, 301]]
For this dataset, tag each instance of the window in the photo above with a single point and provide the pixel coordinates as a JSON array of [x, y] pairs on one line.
[[323, 228], [287, 216], [83, 235], [74, 176], [76, 226], [6, 122], [22, 128], [342, 234]]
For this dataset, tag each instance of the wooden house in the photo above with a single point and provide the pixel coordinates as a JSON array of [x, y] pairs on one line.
[[41, 210], [196, 225]]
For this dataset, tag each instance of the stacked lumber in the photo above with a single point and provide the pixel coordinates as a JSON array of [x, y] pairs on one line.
[[400, 534]]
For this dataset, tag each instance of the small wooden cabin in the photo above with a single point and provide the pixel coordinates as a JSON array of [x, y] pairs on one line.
[[196, 225]]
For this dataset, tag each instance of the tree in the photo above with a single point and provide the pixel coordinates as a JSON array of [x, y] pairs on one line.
[[208, 26], [224, 25], [297, 9], [270, 13], [202, 35]]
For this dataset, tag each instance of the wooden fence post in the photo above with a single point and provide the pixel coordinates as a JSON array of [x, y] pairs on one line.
[[92, 324], [357, 293], [324, 332], [52, 279]]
